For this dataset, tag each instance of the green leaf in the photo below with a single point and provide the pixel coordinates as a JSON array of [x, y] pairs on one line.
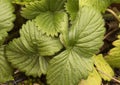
[[85, 39], [52, 23], [6, 70], [32, 10], [48, 14], [100, 5], [113, 57], [56, 5], [93, 79], [87, 32], [68, 68], [6, 19], [115, 1], [103, 67], [29, 52], [23, 2], [72, 7], [5, 1]]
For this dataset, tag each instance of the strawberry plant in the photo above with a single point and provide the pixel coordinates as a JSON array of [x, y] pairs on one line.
[[57, 39]]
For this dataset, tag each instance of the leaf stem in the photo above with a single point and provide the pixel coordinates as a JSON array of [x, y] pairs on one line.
[[114, 14], [116, 80], [111, 32]]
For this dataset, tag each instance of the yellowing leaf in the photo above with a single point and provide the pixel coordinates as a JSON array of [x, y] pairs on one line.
[[93, 79], [113, 57], [103, 67]]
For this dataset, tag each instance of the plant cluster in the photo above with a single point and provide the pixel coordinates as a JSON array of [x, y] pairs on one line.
[[58, 39]]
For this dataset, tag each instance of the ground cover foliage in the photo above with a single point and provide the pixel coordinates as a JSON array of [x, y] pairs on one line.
[[59, 42]]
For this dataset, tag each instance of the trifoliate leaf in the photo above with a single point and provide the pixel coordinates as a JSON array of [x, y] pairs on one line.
[[6, 70], [68, 68], [113, 57], [72, 7], [6, 19], [52, 23], [100, 5], [103, 67], [29, 52], [93, 79], [85, 39], [86, 33]]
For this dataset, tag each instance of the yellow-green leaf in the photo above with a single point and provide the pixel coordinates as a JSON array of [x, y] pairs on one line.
[[103, 67], [93, 79], [113, 57]]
